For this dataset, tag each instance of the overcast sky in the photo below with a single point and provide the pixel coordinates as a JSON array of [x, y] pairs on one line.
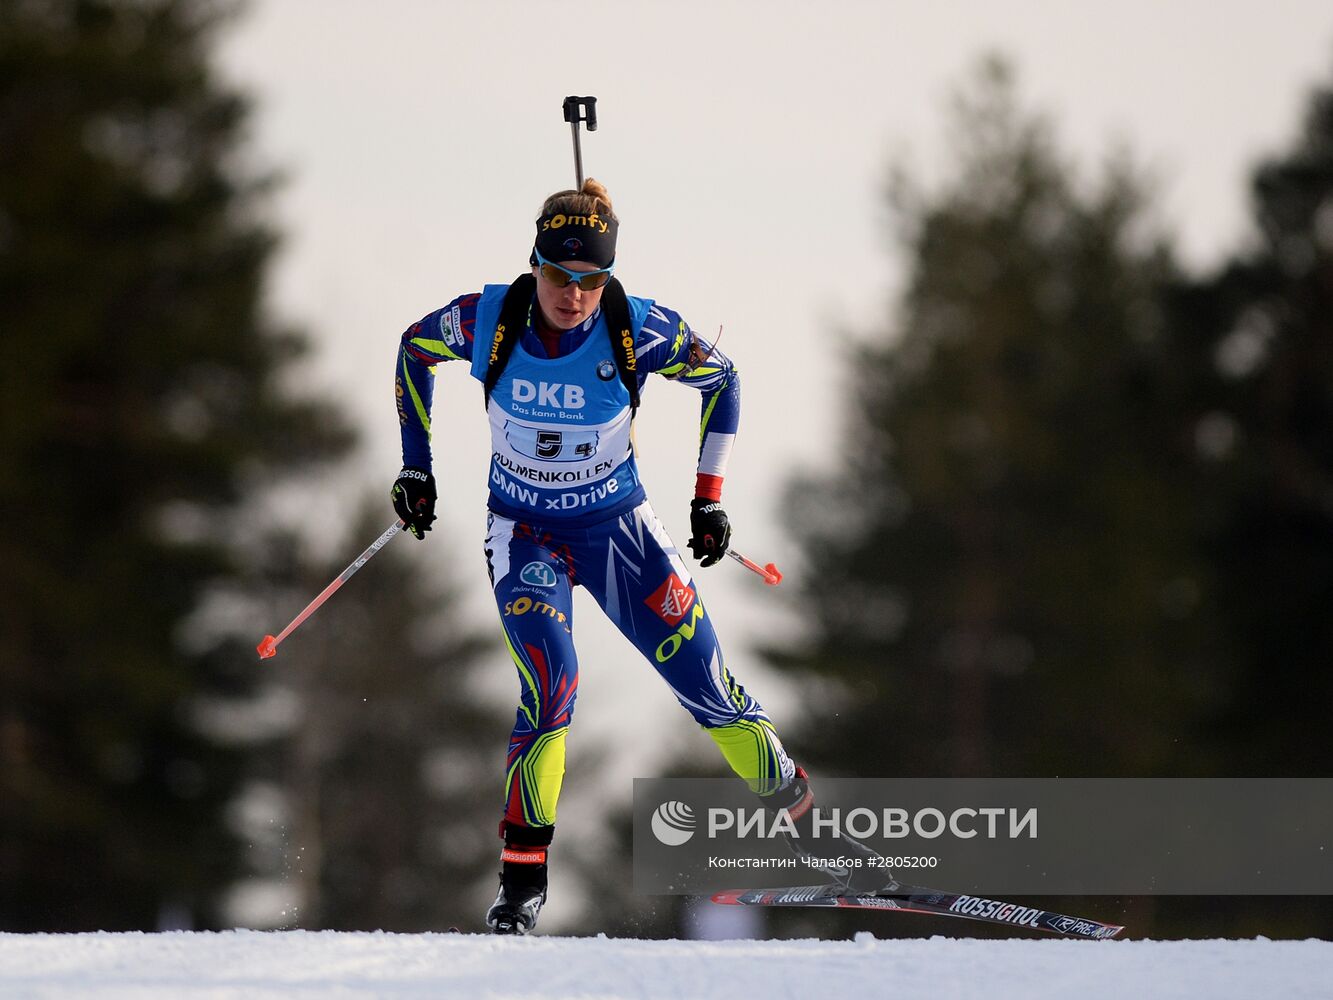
[[745, 146]]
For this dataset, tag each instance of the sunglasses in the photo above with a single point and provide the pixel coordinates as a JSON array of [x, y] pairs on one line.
[[559, 276]]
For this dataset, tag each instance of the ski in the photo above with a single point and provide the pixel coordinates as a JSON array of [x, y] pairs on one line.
[[915, 899]]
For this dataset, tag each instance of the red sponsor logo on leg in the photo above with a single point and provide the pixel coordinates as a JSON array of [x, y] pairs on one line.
[[671, 601]]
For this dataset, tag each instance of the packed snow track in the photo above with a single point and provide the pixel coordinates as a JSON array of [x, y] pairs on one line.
[[253, 964]]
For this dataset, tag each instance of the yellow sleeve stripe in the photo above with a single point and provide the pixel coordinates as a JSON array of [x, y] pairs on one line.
[[436, 347], [708, 413], [420, 408]]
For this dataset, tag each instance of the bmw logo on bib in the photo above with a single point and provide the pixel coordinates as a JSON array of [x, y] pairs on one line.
[[538, 574], [606, 370]]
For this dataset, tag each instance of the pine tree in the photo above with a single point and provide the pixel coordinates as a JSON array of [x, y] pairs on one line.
[[1002, 573], [1082, 527], [141, 408], [1262, 328], [1255, 343]]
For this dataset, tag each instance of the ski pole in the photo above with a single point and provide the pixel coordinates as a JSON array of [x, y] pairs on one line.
[[772, 576], [572, 107], [269, 645]]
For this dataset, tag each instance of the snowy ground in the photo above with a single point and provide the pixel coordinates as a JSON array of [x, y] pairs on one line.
[[253, 964]]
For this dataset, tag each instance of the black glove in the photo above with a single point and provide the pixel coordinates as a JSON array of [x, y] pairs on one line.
[[711, 530], [413, 497]]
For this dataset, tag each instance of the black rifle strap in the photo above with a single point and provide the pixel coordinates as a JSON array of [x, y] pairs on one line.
[[514, 320], [615, 307]]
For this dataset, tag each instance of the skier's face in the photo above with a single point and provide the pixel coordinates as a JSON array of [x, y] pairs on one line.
[[567, 307]]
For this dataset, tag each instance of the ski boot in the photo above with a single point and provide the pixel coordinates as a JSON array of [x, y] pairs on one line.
[[522, 884], [842, 860]]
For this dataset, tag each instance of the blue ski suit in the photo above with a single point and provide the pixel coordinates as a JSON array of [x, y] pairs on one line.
[[567, 509]]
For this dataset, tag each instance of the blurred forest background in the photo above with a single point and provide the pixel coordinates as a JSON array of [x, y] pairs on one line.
[[1083, 524]]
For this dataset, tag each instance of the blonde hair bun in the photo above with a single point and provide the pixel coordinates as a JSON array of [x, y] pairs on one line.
[[594, 188], [591, 199]]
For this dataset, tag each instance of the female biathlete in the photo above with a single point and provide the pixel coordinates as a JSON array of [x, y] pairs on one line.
[[563, 354]]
